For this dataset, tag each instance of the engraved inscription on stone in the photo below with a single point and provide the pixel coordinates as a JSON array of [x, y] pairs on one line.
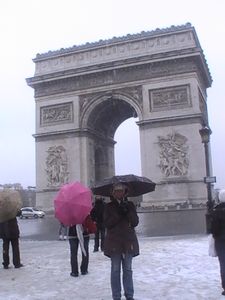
[[169, 98], [54, 114], [173, 151], [56, 166]]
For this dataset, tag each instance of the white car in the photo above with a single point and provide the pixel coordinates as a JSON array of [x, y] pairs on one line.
[[31, 212]]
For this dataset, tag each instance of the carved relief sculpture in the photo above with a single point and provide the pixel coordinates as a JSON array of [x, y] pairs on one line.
[[56, 114], [169, 98], [56, 166], [173, 155]]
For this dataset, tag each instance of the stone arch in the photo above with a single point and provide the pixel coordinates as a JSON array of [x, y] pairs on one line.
[[84, 93], [105, 113], [101, 115]]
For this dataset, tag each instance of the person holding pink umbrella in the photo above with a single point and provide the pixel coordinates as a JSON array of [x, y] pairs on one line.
[[73, 204], [80, 235]]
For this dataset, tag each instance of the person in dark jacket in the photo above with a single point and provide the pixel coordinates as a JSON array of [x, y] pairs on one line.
[[9, 233], [121, 244], [218, 232], [79, 235], [97, 216]]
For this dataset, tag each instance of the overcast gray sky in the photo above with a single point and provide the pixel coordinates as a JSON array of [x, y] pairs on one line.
[[29, 27]]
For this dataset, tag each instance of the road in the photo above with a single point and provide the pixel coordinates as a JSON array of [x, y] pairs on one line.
[[150, 224], [39, 229]]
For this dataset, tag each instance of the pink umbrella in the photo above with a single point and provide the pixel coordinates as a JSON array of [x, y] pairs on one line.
[[73, 203]]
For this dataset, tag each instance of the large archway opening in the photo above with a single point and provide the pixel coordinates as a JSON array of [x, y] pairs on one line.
[[103, 121], [127, 148]]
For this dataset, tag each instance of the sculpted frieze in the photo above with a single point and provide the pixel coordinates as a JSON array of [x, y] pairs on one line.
[[54, 114], [169, 98], [173, 151], [128, 49], [119, 76]]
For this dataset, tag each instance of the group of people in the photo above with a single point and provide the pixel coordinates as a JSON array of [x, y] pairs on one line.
[[114, 235], [114, 226]]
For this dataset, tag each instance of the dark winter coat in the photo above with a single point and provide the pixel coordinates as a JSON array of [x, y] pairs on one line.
[[98, 211], [120, 233], [218, 221], [9, 229]]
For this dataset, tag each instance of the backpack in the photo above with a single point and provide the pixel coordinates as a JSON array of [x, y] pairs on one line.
[[89, 225]]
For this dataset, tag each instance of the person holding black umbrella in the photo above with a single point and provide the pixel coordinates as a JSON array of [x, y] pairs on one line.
[[121, 244]]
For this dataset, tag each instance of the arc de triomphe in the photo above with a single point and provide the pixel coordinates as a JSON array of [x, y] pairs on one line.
[[84, 93]]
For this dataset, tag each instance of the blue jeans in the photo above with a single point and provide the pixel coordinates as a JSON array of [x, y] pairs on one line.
[[126, 261]]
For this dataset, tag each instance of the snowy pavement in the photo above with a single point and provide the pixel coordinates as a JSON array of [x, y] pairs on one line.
[[167, 268]]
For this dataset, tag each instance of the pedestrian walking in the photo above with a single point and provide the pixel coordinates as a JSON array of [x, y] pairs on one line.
[[218, 232], [9, 233], [121, 244], [97, 216]]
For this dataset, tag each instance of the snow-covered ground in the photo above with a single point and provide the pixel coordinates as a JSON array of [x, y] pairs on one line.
[[167, 268]]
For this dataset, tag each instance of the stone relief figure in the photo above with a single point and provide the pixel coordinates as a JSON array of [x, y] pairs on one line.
[[57, 166], [173, 155], [169, 98], [56, 113]]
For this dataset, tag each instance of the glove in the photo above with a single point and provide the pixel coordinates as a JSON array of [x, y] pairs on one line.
[[123, 207]]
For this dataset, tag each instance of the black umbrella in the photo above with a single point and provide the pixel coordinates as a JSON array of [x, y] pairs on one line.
[[137, 185]]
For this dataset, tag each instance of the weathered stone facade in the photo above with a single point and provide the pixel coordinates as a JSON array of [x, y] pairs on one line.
[[84, 93]]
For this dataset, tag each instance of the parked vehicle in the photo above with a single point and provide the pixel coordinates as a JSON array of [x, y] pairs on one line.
[[31, 212]]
